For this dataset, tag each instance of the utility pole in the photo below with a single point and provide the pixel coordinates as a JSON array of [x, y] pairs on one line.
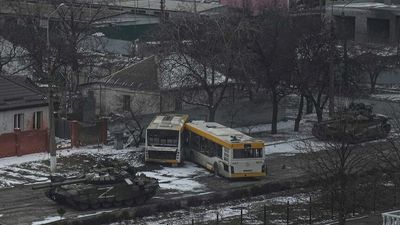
[[52, 142], [162, 8]]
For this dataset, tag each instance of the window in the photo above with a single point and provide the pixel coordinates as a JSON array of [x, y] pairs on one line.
[[19, 121], [127, 103], [37, 120], [162, 138], [247, 153]]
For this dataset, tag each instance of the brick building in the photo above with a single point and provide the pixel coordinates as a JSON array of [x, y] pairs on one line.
[[21, 105]]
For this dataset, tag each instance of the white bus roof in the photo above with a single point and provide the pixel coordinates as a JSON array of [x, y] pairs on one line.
[[168, 122], [228, 136]]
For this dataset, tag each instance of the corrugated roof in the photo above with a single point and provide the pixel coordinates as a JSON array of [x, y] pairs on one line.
[[15, 94], [140, 76]]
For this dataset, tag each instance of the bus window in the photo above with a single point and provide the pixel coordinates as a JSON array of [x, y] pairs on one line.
[[247, 153], [162, 138]]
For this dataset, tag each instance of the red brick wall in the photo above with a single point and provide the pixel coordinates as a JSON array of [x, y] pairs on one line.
[[8, 145], [86, 135], [23, 142]]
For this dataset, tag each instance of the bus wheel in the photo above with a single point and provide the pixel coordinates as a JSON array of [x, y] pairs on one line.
[[216, 171]]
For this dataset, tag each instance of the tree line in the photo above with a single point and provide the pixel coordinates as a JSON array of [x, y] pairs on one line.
[[274, 53]]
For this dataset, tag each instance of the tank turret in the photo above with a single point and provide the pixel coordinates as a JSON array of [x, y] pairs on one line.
[[355, 124], [105, 188]]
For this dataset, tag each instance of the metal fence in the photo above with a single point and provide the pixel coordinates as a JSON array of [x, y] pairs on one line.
[[317, 209]]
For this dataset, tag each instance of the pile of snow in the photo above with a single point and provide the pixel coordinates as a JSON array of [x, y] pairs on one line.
[[180, 178], [389, 97], [48, 220]]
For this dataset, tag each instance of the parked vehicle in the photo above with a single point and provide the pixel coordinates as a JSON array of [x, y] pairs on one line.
[[353, 125], [107, 188]]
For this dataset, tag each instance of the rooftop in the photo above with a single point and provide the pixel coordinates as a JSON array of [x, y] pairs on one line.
[[140, 76], [17, 93]]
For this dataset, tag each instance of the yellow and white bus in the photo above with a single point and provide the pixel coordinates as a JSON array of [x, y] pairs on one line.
[[163, 139], [225, 151]]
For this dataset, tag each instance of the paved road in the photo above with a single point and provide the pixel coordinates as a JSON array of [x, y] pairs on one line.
[[22, 205]]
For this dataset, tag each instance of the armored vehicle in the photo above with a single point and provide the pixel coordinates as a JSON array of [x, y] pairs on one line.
[[355, 124], [107, 188]]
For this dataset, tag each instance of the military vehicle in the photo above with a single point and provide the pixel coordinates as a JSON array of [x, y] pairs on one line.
[[109, 187], [355, 124]]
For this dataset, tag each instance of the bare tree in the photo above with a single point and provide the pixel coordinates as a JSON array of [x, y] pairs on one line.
[[336, 166], [314, 53], [374, 60], [269, 55], [198, 55]]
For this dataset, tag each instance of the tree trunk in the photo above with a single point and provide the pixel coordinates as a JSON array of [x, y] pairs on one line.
[[275, 105], [319, 112], [373, 85], [211, 114], [310, 106], [299, 114]]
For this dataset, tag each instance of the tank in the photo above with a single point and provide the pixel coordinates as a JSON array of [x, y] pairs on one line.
[[102, 189], [355, 124]]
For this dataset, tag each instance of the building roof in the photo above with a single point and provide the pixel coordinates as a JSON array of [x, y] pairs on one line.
[[17, 93], [140, 76]]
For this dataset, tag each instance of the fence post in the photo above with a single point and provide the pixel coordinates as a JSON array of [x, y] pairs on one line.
[[287, 213], [265, 215], [17, 133], [332, 205], [374, 198], [395, 195], [241, 216], [192, 221], [310, 212], [354, 203], [74, 133], [217, 218]]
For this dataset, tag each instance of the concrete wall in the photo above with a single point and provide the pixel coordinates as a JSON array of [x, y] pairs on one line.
[[7, 119], [110, 100], [368, 23]]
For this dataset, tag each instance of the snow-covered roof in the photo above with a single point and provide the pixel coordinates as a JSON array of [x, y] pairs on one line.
[[176, 71]]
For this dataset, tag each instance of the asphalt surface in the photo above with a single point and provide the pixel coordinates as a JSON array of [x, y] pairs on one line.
[[22, 205]]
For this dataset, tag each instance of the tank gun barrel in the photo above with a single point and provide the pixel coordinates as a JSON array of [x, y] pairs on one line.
[[56, 184]]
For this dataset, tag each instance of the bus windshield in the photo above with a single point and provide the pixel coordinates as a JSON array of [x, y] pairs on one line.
[[247, 153], [162, 137]]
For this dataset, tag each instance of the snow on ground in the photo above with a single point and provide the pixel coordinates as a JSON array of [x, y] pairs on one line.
[[180, 178], [33, 168], [389, 97], [93, 214], [226, 211], [282, 125], [48, 220]]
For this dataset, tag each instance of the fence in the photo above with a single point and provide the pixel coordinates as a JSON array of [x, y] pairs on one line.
[[319, 208], [86, 134], [23, 142], [391, 218]]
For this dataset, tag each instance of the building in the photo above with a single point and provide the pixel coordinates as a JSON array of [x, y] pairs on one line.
[[21, 105], [134, 88], [373, 22], [255, 6]]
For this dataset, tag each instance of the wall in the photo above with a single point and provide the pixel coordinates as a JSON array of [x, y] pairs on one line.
[[7, 119], [256, 6], [87, 134], [23, 142], [110, 100]]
